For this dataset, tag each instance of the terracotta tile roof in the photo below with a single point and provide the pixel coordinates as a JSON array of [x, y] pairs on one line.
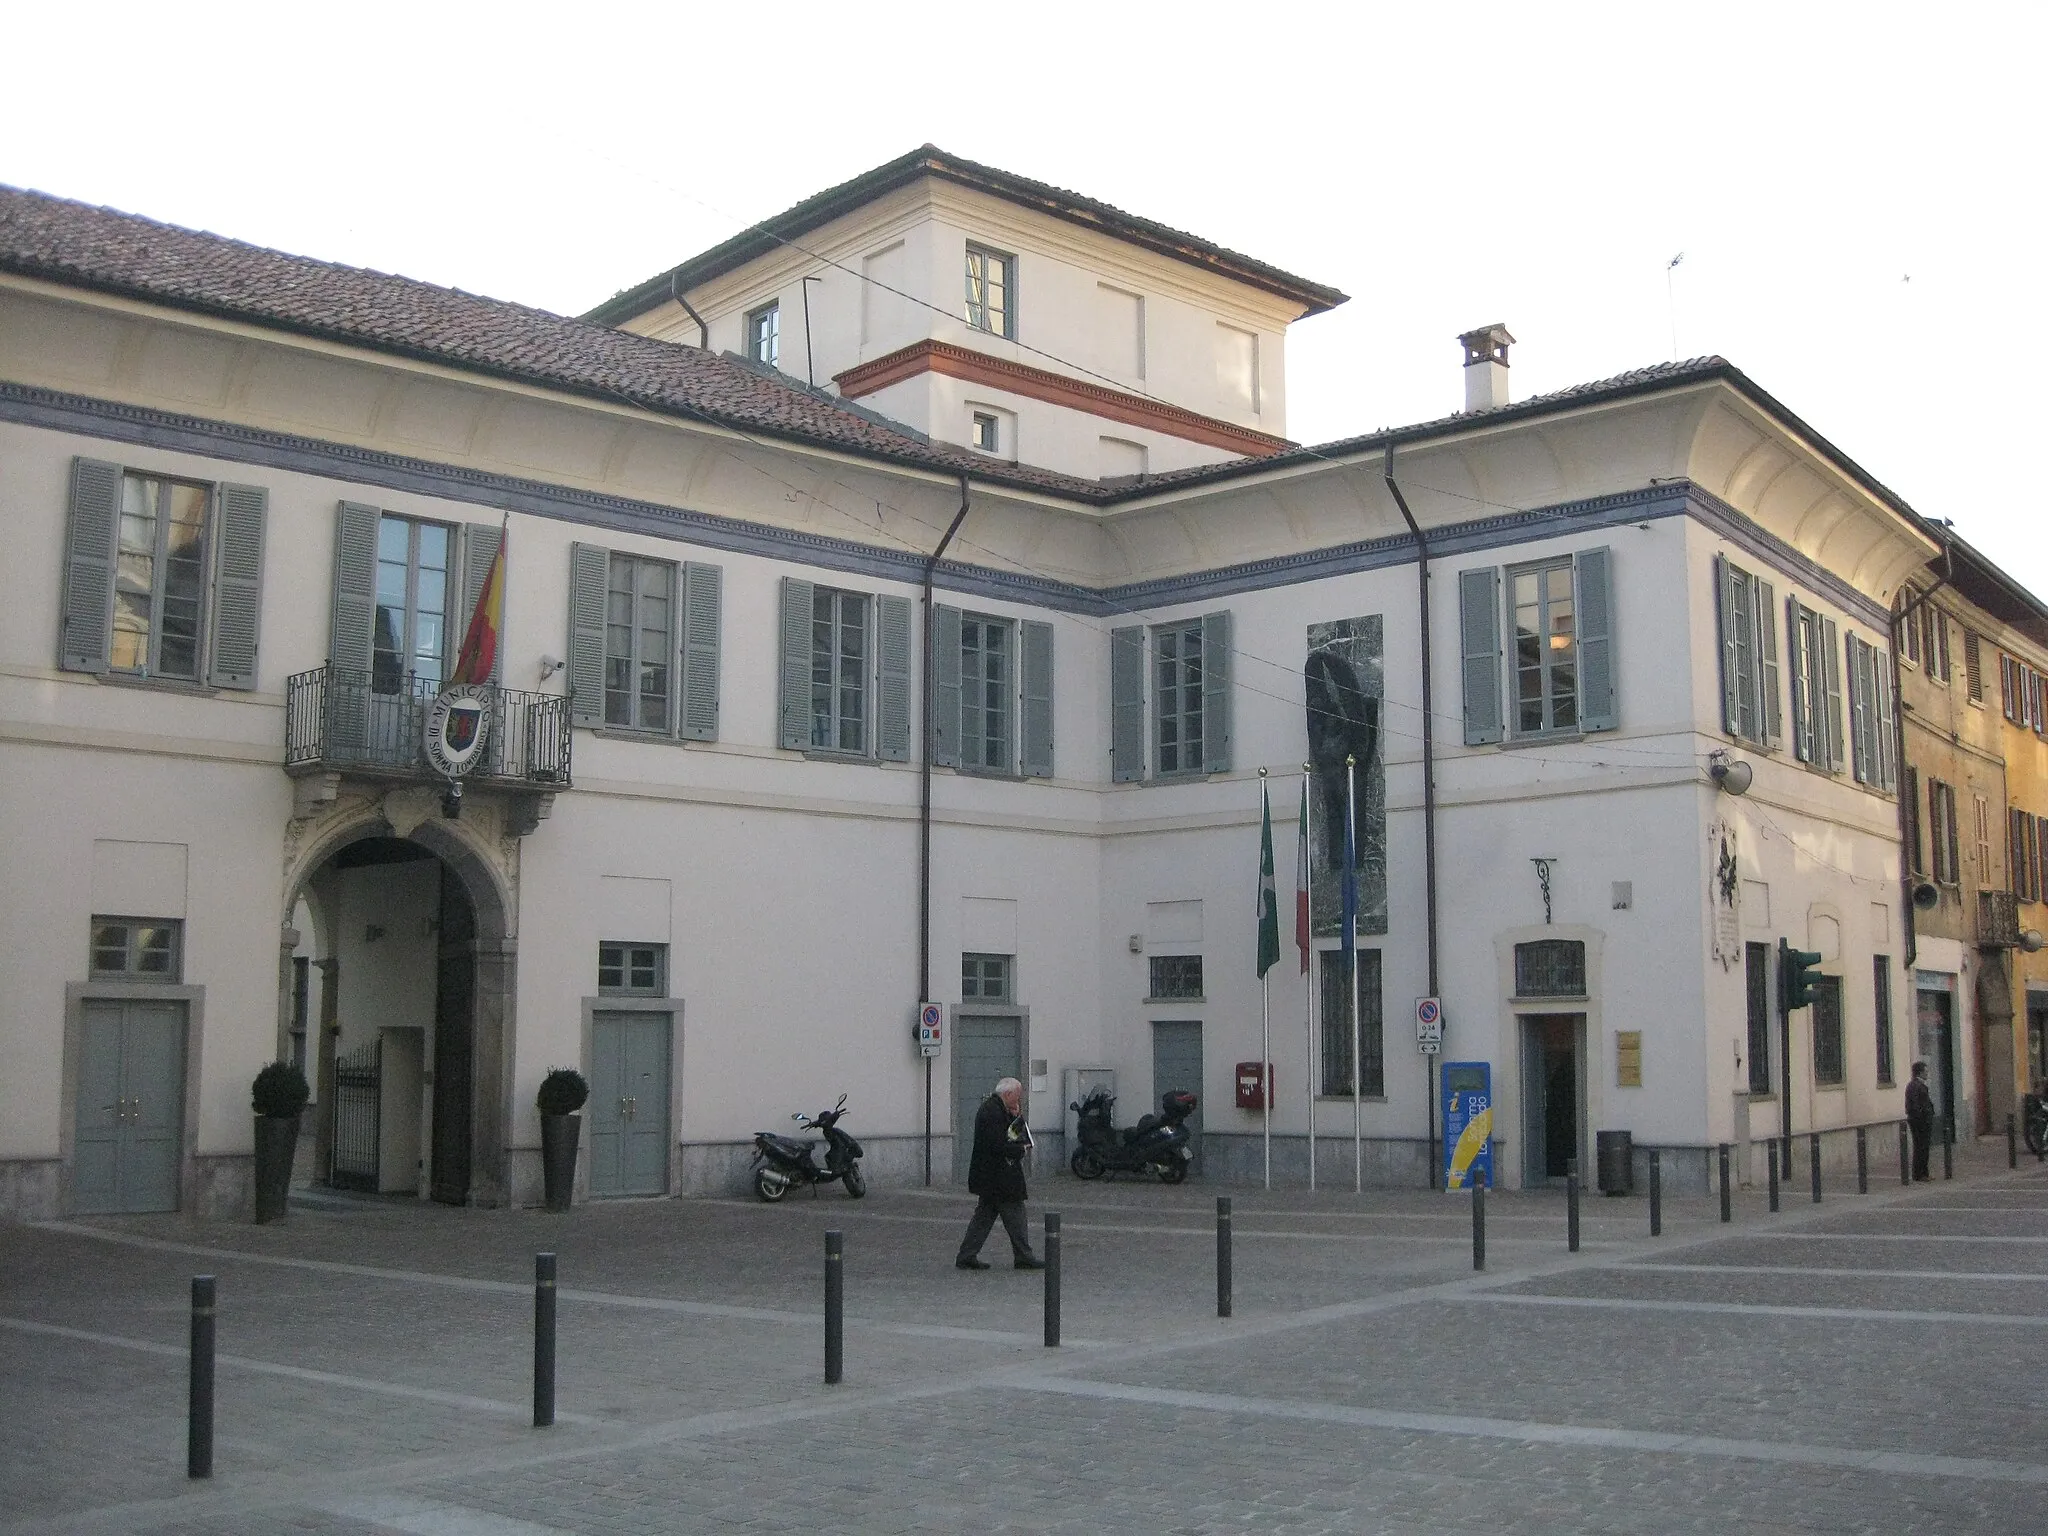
[[74, 243]]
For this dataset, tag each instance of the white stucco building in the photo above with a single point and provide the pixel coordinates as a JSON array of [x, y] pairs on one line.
[[249, 498]]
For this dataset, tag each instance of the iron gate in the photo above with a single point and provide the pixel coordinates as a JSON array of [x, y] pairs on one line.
[[357, 1077]]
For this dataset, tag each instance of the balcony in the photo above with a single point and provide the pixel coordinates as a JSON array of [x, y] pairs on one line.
[[337, 723], [1998, 920]]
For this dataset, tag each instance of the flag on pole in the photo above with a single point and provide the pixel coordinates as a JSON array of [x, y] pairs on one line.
[[479, 653], [1269, 897], [1302, 940]]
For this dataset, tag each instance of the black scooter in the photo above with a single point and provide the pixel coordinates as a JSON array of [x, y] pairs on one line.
[[782, 1162], [1156, 1144]]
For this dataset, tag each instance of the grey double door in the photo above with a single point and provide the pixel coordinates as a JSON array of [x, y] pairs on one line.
[[629, 1098], [131, 1106], [986, 1049], [1177, 1068]]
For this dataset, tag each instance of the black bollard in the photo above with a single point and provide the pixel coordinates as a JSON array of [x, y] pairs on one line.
[[1813, 1157], [2012, 1142], [1656, 1193], [1773, 1150], [1223, 1256], [1727, 1209], [835, 1308], [543, 1340], [1948, 1148], [1862, 1161], [1905, 1156], [199, 1401], [1571, 1206], [1479, 1223], [1052, 1279]]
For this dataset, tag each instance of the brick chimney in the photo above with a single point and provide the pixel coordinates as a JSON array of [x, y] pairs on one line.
[[1486, 367]]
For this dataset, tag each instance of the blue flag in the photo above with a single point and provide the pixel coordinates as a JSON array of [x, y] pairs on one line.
[[1350, 931]]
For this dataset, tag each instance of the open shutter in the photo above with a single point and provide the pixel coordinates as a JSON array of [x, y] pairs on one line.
[[892, 736], [589, 584], [1770, 709], [237, 585], [1479, 646], [1862, 714], [795, 671], [1217, 659], [88, 615], [1035, 655], [1596, 640], [703, 587], [1831, 693], [1731, 655], [1887, 723], [1126, 704], [945, 721], [480, 543], [355, 593]]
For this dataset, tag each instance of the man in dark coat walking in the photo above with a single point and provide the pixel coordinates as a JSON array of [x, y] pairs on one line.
[[996, 1174], [1920, 1119]]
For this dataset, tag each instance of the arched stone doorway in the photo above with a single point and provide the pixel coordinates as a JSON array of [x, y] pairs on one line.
[[414, 945]]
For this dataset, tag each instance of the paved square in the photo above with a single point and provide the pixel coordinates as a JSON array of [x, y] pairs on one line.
[[1871, 1363]]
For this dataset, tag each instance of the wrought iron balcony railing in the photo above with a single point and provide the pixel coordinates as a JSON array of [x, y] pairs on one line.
[[1998, 920], [340, 719]]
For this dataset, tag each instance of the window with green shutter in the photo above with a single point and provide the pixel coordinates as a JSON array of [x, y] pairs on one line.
[[845, 672], [1558, 670], [1745, 608], [162, 577], [644, 638]]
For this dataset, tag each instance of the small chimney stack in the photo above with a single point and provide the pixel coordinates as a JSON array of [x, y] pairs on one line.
[[1486, 367]]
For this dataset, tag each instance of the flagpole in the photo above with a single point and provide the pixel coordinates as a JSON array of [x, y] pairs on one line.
[[1266, 893], [1308, 979], [1351, 981]]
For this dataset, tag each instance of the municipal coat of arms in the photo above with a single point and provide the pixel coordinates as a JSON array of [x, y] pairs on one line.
[[458, 727]]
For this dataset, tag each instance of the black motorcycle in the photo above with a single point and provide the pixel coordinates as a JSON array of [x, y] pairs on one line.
[[1156, 1144], [782, 1162]]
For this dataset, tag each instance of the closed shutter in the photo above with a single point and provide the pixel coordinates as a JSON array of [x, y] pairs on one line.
[[1830, 694], [794, 693], [1035, 656], [1596, 641], [1479, 645], [1731, 653], [1915, 851], [355, 594], [480, 543], [892, 736], [1216, 667], [589, 583], [88, 610], [1771, 713], [237, 585], [703, 592], [1862, 711], [945, 663], [1126, 704]]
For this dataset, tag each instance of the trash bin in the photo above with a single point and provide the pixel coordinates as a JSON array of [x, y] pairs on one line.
[[1615, 1153]]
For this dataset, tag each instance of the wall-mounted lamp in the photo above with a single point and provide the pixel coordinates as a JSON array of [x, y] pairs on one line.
[[549, 667], [1730, 774], [2031, 941]]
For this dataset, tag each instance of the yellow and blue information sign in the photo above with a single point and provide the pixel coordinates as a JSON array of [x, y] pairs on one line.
[[1466, 1088]]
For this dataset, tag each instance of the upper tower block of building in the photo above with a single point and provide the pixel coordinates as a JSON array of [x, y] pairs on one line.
[[988, 310]]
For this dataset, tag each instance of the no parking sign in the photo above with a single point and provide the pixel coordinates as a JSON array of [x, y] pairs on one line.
[[1429, 1025], [929, 1034]]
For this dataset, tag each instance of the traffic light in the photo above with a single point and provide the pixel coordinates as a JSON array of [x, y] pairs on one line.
[[1797, 969]]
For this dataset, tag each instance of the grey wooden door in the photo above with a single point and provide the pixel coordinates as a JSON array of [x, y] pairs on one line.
[[629, 1097], [131, 1106], [1177, 1065], [986, 1049]]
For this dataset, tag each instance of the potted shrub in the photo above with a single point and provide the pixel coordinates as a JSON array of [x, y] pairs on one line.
[[278, 1096], [562, 1092]]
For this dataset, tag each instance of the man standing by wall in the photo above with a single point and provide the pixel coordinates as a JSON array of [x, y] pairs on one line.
[[996, 1174], [1920, 1119]]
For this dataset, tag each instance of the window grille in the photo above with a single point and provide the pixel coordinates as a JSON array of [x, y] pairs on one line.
[[1550, 968]]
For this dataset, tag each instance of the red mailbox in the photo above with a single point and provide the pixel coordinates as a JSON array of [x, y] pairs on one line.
[[1251, 1084]]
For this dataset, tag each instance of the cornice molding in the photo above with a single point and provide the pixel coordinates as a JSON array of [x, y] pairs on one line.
[[957, 362]]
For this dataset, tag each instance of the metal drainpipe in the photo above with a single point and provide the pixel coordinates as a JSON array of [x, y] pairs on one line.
[[675, 291], [924, 819], [1909, 614], [1428, 782]]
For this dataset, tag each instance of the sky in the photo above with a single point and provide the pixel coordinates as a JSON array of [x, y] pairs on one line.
[[1855, 189]]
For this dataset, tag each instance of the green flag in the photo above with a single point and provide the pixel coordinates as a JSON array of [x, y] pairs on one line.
[[1269, 901]]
